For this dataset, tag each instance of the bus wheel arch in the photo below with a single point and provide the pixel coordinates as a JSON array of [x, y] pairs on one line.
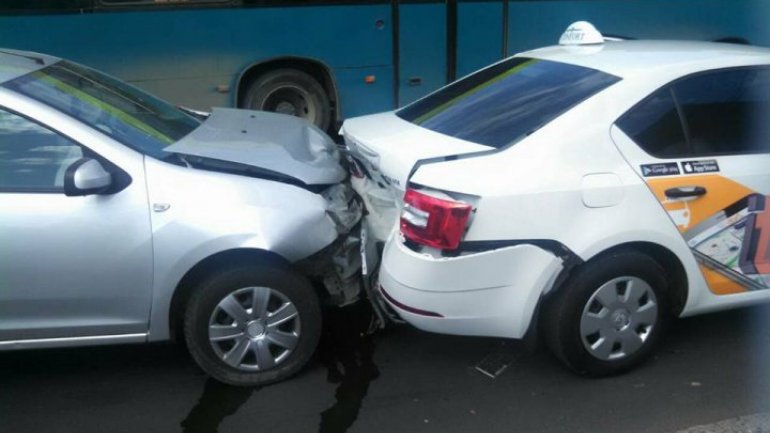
[[291, 83]]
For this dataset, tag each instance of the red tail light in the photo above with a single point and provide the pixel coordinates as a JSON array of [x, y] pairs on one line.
[[432, 221]]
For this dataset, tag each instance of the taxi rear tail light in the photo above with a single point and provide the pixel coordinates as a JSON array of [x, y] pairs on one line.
[[433, 221]]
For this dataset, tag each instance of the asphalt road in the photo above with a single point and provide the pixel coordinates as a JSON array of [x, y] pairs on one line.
[[709, 368]]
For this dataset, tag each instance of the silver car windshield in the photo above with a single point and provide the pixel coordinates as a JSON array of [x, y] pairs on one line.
[[119, 110]]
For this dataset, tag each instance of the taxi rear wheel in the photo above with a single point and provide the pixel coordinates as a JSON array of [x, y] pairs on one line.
[[609, 316]]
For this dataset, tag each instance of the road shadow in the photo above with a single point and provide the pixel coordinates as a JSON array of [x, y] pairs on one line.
[[217, 402], [347, 351]]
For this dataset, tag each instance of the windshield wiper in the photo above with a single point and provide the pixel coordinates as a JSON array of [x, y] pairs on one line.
[[200, 115], [222, 166], [176, 159], [35, 59]]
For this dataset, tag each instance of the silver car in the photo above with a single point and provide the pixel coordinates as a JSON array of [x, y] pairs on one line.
[[124, 219]]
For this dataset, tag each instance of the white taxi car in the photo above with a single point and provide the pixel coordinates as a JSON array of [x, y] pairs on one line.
[[590, 189]]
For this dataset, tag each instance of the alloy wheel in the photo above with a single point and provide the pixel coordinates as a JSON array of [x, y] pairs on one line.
[[254, 328], [618, 318]]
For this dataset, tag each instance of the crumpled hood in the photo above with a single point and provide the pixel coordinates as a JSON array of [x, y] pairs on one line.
[[273, 142]]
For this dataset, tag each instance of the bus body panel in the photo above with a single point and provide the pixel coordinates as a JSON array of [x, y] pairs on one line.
[[196, 56], [534, 23], [479, 35], [422, 49], [361, 98], [190, 56]]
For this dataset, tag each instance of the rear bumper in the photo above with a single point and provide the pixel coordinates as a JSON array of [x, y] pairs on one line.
[[492, 293]]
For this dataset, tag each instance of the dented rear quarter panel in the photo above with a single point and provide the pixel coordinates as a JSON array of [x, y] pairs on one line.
[[536, 189]]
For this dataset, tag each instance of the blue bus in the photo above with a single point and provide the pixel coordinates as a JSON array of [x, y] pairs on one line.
[[330, 59]]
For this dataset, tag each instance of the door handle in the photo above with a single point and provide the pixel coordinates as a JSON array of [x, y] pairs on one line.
[[685, 192]]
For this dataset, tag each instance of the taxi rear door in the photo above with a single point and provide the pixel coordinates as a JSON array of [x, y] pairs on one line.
[[702, 145]]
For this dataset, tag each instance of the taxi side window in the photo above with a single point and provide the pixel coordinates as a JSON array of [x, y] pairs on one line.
[[654, 124], [724, 112]]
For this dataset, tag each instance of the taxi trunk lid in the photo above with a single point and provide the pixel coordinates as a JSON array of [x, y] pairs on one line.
[[388, 149]]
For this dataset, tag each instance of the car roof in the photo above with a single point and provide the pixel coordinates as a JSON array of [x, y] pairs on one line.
[[632, 57], [14, 63]]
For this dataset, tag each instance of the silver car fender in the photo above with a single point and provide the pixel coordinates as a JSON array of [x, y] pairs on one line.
[[196, 214]]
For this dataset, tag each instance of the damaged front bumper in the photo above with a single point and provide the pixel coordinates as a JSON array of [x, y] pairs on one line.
[[338, 266], [349, 266]]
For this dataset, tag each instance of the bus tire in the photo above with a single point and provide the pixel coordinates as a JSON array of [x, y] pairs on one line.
[[290, 91]]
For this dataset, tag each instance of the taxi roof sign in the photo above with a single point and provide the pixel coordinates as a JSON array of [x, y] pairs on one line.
[[581, 33]]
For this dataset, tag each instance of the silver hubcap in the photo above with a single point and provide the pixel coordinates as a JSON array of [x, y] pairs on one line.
[[254, 328], [618, 318]]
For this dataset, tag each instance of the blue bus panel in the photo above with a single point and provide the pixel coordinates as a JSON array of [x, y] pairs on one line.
[[534, 24], [189, 56], [377, 53]]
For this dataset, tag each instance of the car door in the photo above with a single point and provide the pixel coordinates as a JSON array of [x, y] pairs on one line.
[[702, 145], [70, 267]]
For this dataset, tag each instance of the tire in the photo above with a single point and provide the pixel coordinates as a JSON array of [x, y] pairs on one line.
[[293, 92], [266, 343], [609, 316]]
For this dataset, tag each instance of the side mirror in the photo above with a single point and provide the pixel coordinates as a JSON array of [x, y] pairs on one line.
[[86, 176]]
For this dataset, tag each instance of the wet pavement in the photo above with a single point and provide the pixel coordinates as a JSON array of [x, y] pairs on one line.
[[710, 368]]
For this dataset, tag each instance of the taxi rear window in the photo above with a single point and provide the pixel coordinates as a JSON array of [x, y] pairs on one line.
[[504, 103]]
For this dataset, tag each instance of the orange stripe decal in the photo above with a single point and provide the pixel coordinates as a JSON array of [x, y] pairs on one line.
[[720, 284], [731, 241]]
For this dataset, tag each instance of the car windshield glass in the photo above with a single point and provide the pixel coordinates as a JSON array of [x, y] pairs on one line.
[[123, 112], [501, 104]]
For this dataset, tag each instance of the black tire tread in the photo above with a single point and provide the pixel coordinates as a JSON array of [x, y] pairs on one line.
[[296, 77], [213, 288], [560, 310]]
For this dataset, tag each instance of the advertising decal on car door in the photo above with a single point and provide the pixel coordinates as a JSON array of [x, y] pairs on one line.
[[729, 232], [701, 145]]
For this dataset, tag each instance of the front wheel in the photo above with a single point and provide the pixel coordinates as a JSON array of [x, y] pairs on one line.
[[252, 325], [608, 317]]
